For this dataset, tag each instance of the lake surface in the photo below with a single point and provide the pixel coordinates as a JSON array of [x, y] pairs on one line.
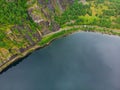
[[81, 61]]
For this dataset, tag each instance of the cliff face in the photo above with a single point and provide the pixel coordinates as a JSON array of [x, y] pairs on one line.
[[43, 12], [17, 38]]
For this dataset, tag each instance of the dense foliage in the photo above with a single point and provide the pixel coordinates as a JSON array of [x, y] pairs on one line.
[[104, 13], [12, 11]]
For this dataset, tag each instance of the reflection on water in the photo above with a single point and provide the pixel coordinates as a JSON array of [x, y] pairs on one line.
[[82, 61]]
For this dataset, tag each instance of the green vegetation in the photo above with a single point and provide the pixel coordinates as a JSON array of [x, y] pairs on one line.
[[72, 13], [104, 13], [13, 12]]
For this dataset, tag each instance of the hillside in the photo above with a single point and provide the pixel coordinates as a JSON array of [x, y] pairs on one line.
[[26, 24]]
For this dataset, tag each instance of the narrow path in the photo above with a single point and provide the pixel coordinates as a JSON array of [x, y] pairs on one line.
[[82, 26]]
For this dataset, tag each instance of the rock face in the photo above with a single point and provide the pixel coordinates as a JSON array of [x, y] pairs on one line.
[[42, 12]]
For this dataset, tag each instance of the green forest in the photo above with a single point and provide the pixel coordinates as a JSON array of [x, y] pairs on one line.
[[103, 13]]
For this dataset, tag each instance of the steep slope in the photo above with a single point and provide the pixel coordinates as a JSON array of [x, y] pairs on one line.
[[24, 22]]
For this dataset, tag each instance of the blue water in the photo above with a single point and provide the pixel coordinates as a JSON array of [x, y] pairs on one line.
[[81, 61]]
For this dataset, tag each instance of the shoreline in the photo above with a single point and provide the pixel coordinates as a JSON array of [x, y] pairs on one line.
[[66, 32], [28, 52]]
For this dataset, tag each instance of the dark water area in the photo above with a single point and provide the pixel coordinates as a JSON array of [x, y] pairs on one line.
[[81, 61]]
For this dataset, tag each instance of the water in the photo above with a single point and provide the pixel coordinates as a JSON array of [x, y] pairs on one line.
[[81, 61]]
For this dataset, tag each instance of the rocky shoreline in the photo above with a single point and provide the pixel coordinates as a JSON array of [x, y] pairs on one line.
[[16, 57], [67, 31]]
